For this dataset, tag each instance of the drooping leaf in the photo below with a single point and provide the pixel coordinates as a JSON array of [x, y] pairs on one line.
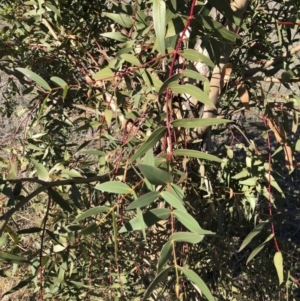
[[259, 248], [192, 91], [164, 255], [34, 77], [115, 36], [159, 23], [30, 230], [59, 200], [114, 187], [159, 278], [90, 212], [150, 218], [155, 175], [41, 170], [170, 80], [278, 262], [252, 234], [92, 228], [195, 75], [195, 56], [121, 19], [60, 82], [172, 200], [144, 200], [193, 277], [198, 122], [131, 59], [20, 285], [149, 143], [12, 258], [196, 154], [190, 223], [192, 238], [104, 73]]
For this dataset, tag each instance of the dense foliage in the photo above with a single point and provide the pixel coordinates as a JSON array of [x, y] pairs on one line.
[[149, 160]]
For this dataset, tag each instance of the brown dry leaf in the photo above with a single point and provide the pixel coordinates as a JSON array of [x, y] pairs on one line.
[[225, 75], [280, 136], [244, 96]]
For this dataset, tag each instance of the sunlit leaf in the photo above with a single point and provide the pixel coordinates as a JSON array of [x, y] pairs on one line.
[[159, 22], [195, 56], [155, 175], [164, 255], [192, 238], [193, 277], [149, 143], [131, 59], [104, 73], [12, 258], [41, 170], [144, 200], [34, 77], [121, 19], [192, 91], [90, 212], [278, 262], [196, 154], [115, 36], [150, 218], [172, 200], [114, 187], [60, 82], [198, 122]]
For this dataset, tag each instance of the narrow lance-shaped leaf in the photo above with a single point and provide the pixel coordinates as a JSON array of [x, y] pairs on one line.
[[12, 258], [252, 234], [192, 238], [91, 211], [159, 278], [196, 154], [278, 262], [121, 19], [164, 255], [159, 22], [149, 143], [155, 175], [198, 122], [41, 170], [172, 200], [144, 200], [114, 187], [195, 56], [193, 277], [192, 91], [34, 77], [104, 73]]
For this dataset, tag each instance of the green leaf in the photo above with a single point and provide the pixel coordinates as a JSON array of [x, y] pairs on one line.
[[71, 173], [90, 212], [196, 154], [198, 122], [149, 143], [59, 200], [150, 218], [115, 36], [20, 285], [41, 171], [195, 75], [34, 77], [190, 223], [252, 234], [104, 73], [159, 22], [172, 200], [144, 200], [121, 19], [249, 182], [170, 80], [278, 262], [259, 248], [159, 278], [12, 258], [192, 238], [195, 56], [93, 152], [30, 230], [193, 277], [164, 255], [114, 187], [131, 59], [225, 9], [192, 91], [60, 82], [89, 229], [155, 175]]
